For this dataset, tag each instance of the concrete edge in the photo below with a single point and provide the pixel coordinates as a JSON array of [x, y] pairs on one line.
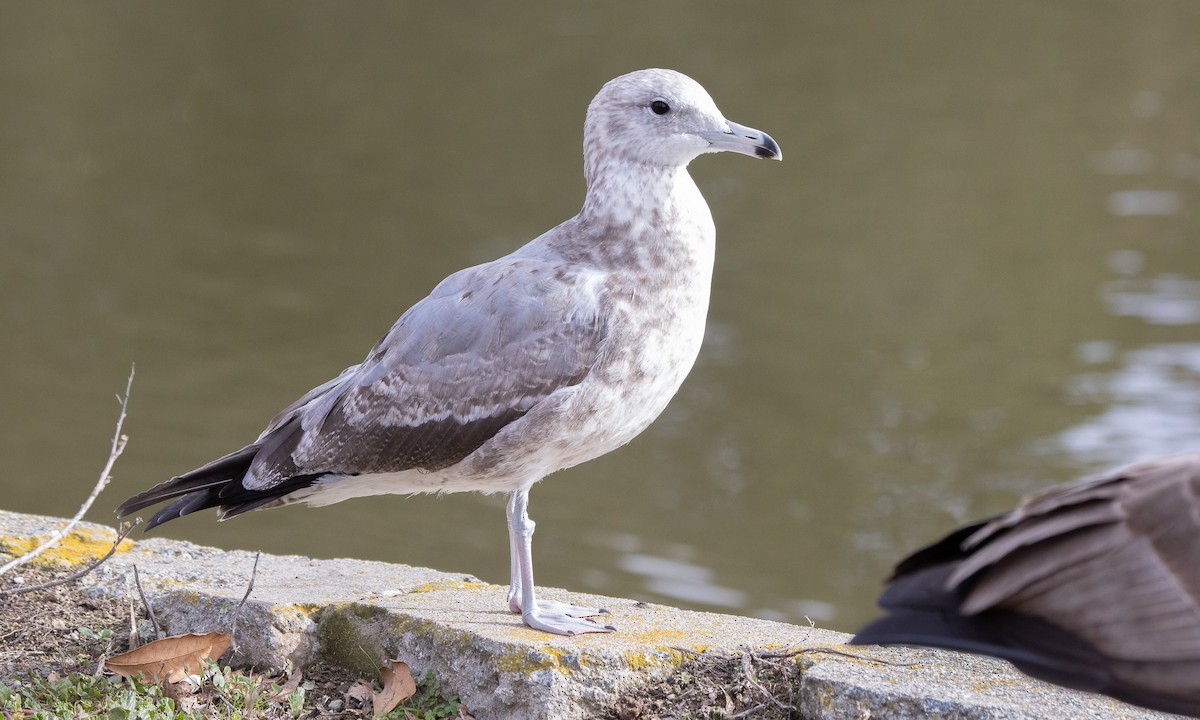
[[357, 614]]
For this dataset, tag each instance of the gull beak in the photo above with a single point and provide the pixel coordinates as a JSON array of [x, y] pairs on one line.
[[744, 140]]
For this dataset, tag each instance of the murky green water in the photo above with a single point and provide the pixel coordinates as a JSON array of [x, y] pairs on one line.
[[976, 273]]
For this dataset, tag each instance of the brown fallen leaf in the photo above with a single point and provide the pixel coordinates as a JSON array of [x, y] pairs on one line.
[[398, 686], [170, 659], [361, 691], [289, 687]]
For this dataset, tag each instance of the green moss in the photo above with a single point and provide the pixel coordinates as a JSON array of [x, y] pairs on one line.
[[369, 613], [342, 642]]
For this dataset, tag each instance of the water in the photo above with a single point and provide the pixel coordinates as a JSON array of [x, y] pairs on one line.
[[975, 274]]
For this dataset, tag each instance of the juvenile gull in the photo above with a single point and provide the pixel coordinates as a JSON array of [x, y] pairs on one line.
[[508, 371]]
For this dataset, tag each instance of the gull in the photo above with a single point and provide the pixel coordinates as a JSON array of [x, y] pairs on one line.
[[553, 355], [1093, 585]]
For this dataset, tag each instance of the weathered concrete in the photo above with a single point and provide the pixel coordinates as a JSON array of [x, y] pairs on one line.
[[359, 614]]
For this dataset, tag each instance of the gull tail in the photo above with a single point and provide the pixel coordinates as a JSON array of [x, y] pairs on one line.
[[217, 484]]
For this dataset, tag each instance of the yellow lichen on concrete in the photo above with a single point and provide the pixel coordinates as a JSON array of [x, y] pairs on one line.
[[291, 611], [440, 585], [166, 582], [658, 637], [640, 660], [661, 648], [80, 546], [825, 697], [548, 657], [993, 682], [662, 656], [308, 609]]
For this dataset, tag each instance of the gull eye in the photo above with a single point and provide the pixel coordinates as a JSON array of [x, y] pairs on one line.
[[658, 107]]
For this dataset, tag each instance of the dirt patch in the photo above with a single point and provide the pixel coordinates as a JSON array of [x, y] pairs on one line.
[[758, 685], [40, 631], [63, 630]]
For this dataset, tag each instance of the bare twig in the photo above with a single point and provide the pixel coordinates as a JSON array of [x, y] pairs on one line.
[[134, 640], [748, 712], [791, 652], [238, 610], [118, 446], [856, 656], [158, 634], [748, 671], [126, 528]]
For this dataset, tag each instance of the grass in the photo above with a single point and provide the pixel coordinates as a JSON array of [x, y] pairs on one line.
[[221, 692], [79, 695], [52, 642]]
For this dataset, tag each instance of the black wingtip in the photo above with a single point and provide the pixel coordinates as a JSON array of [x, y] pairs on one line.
[[193, 490]]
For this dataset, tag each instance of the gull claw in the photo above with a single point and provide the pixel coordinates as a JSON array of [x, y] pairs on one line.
[[554, 607], [561, 623], [561, 618]]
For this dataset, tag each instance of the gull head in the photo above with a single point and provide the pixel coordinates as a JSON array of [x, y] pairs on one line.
[[663, 118]]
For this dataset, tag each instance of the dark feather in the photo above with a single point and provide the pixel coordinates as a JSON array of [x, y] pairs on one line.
[[484, 348], [217, 484], [217, 473], [1094, 586]]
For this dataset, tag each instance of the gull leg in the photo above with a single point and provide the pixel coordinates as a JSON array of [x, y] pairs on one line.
[[514, 566], [546, 615]]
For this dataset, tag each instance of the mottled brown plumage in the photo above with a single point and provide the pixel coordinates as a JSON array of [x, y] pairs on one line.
[[1094, 585]]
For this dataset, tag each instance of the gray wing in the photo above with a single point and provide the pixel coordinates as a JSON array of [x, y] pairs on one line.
[[1115, 560], [485, 347]]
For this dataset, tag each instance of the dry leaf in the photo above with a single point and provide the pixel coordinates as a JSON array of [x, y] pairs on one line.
[[463, 714], [398, 686], [361, 691], [170, 659], [181, 691], [290, 686]]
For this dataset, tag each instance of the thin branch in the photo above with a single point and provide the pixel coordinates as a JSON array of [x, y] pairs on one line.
[[158, 634], [748, 671], [748, 712], [125, 530], [788, 653], [238, 610], [118, 446]]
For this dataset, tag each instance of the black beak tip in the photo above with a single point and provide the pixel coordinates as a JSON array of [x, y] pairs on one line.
[[769, 149]]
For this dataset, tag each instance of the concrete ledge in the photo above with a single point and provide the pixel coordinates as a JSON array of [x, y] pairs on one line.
[[357, 614]]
